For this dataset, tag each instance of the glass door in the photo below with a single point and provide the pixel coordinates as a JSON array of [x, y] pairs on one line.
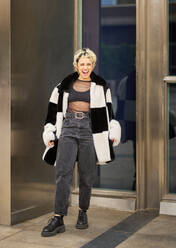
[[171, 96], [111, 34]]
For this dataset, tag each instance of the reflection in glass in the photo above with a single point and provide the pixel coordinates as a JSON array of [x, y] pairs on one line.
[[172, 138], [117, 53], [172, 37], [116, 2]]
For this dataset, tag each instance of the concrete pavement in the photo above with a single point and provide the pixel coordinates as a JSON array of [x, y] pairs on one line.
[[107, 229]]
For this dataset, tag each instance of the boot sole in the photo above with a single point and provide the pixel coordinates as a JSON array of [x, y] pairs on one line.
[[82, 226], [59, 229]]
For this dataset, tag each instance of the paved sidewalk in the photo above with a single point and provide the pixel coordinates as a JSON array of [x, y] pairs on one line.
[[107, 229]]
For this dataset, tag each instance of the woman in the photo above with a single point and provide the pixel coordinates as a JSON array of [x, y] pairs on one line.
[[80, 116]]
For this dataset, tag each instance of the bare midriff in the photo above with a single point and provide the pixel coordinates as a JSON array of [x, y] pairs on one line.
[[80, 106]]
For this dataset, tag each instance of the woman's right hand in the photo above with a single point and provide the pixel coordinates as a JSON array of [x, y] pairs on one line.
[[51, 143]]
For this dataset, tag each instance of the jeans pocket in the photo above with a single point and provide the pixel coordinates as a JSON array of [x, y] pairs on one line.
[[66, 122]]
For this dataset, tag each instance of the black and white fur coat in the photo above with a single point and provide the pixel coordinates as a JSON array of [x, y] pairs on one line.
[[104, 127]]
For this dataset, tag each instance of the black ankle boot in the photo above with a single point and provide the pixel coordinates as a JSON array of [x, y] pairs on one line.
[[55, 225], [82, 222]]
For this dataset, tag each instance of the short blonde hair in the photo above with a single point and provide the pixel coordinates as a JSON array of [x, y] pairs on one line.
[[85, 52]]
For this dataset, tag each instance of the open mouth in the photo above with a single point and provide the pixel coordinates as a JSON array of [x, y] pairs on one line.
[[85, 72]]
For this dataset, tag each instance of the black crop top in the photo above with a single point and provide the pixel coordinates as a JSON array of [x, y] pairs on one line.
[[75, 95]]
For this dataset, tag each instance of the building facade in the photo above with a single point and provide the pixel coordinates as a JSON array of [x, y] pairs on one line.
[[135, 44]]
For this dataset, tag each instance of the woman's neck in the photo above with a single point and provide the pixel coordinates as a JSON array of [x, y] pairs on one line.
[[86, 79]]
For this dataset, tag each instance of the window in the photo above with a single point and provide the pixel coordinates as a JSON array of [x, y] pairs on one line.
[[171, 96], [111, 33]]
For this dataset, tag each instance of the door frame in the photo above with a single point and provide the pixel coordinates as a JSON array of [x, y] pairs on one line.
[[151, 61]]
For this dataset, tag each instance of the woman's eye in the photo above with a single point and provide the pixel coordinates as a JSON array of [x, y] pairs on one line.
[[85, 64]]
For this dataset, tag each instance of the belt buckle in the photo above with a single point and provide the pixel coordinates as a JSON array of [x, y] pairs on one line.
[[79, 115]]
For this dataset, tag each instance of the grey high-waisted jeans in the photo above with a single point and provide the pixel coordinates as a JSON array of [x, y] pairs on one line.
[[75, 142]]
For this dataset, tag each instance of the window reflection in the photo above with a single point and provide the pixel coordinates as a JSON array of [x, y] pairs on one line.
[[108, 2], [172, 37], [117, 66], [111, 33], [171, 119], [116, 2], [172, 138]]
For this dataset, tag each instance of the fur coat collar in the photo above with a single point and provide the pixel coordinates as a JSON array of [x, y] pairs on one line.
[[64, 85]]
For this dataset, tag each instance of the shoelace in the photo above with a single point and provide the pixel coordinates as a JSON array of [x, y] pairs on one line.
[[52, 219]]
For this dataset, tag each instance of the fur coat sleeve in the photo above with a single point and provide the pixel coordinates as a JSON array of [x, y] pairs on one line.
[[50, 123], [114, 126]]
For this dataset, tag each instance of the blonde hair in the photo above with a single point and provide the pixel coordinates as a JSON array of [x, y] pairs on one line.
[[85, 52]]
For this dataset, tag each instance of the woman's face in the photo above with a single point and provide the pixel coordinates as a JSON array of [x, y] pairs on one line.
[[84, 68]]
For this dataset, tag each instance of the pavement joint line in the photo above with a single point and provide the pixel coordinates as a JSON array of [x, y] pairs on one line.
[[32, 243], [10, 235]]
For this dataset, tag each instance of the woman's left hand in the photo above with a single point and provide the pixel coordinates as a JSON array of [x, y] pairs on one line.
[[114, 140]]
